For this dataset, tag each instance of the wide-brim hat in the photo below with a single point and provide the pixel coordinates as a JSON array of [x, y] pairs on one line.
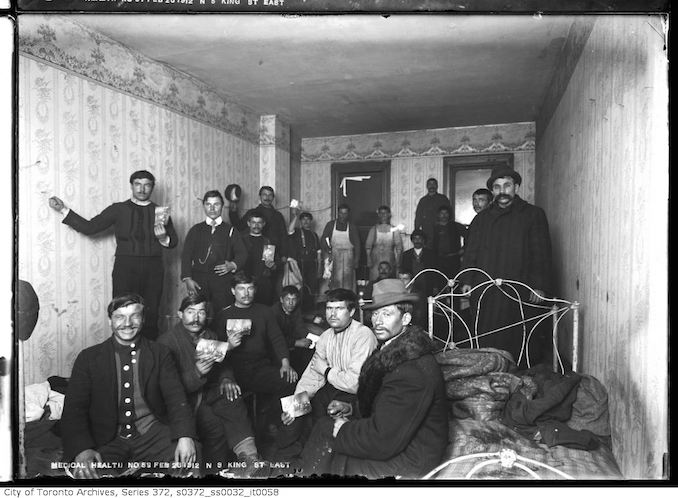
[[501, 172], [390, 291]]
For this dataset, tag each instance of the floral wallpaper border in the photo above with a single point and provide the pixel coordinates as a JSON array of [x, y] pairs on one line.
[[71, 46], [512, 137]]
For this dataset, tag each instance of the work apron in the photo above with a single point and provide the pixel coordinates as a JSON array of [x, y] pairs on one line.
[[343, 273], [382, 251]]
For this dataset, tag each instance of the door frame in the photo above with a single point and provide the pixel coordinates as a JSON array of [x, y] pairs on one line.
[[381, 166], [472, 161]]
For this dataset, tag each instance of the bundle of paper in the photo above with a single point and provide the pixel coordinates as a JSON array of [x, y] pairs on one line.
[[162, 214], [268, 254], [241, 326], [296, 405], [208, 349]]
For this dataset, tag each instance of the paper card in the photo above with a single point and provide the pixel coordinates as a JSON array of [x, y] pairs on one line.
[[208, 349], [162, 214], [239, 326], [313, 338], [268, 254], [296, 405]]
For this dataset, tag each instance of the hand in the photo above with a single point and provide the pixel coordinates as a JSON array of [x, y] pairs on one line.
[[185, 452], [537, 296], [234, 339], [192, 286], [303, 343], [286, 418], [287, 372], [204, 365], [160, 231], [230, 389], [465, 288], [225, 268], [294, 211], [56, 203], [337, 409], [269, 264], [85, 460]]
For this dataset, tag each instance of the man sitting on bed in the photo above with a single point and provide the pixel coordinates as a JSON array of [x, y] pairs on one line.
[[399, 425], [125, 402]]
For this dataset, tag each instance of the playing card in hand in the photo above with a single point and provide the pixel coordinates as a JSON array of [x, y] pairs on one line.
[[268, 254]]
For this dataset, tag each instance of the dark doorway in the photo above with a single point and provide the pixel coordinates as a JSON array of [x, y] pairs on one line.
[[463, 175], [364, 186]]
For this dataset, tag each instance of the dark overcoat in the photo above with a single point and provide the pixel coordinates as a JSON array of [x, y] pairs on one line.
[[510, 243], [90, 415], [402, 424]]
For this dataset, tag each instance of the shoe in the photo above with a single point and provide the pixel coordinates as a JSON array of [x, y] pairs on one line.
[[255, 467]]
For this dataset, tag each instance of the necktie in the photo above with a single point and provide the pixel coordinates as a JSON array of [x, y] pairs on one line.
[[213, 224]]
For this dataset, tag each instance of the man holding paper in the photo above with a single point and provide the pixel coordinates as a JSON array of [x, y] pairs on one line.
[[142, 230], [263, 258], [220, 412]]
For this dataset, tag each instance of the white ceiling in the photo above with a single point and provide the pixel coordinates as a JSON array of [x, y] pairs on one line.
[[350, 74]]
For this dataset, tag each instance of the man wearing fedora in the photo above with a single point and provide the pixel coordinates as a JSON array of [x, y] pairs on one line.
[[398, 426], [508, 240]]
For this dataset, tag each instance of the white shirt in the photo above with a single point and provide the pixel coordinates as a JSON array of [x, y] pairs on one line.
[[344, 352]]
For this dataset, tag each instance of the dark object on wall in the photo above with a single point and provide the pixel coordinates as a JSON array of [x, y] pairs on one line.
[[27, 309], [233, 192]]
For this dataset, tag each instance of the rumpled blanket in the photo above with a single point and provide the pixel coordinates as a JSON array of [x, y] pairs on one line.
[[37, 397]]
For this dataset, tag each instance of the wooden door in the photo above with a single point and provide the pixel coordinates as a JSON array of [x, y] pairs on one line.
[[364, 186]]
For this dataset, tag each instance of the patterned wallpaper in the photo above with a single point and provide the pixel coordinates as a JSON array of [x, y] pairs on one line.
[[415, 156], [81, 140], [72, 46]]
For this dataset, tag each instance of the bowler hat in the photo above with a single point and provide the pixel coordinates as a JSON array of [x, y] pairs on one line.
[[501, 172], [390, 291], [233, 192]]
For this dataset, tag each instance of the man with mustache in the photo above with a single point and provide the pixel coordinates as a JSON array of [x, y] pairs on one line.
[[221, 414], [125, 402], [508, 240]]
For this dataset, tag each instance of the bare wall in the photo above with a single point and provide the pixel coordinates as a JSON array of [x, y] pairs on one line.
[[602, 177], [85, 124]]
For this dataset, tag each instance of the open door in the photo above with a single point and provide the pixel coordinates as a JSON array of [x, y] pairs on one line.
[[364, 186]]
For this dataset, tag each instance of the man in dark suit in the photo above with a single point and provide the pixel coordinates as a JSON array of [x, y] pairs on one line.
[[417, 259], [142, 233], [125, 402]]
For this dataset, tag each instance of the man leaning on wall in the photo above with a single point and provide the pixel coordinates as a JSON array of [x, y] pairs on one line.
[[140, 237]]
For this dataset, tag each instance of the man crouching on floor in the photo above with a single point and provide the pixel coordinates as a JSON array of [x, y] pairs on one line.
[[125, 407], [399, 425]]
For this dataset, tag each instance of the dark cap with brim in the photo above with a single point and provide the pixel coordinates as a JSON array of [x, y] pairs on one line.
[[501, 172]]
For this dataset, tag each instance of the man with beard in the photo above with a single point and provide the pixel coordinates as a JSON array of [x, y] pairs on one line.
[[220, 412], [426, 214], [139, 240], [399, 425], [125, 402], [508, 240], [213, 251]]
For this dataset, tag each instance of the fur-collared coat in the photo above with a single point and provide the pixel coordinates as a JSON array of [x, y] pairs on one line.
[[402, 425]]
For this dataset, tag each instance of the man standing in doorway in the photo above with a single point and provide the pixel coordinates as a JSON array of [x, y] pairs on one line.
[[508, 240], [341, 241], [139, 238], [426, 214], [213, 251]]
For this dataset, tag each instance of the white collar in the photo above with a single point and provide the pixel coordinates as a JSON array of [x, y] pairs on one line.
[[418, 251], [218, 221], [138, 202]]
